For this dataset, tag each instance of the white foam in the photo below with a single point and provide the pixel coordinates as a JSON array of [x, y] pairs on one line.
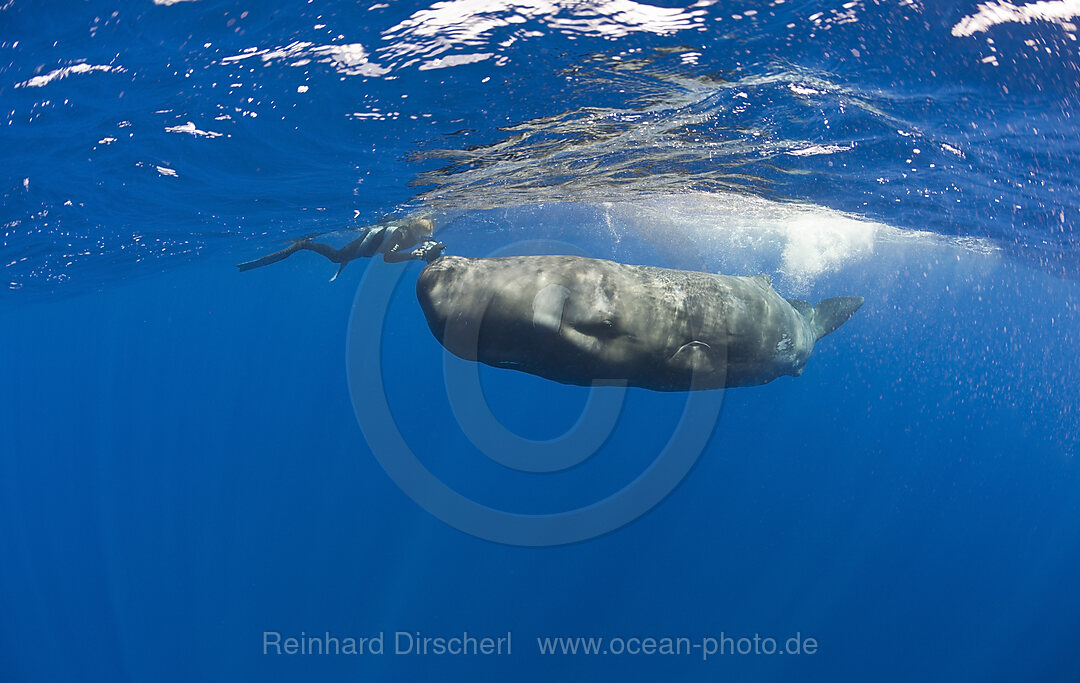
[[816, 150], [818, 243], [190, 129], [1003, 12], [350, 59], [454, 60], [457, 24], [64, 72], [745, 234]]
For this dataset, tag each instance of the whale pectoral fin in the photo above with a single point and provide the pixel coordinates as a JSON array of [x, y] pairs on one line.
[[548, 308], [694, 356]]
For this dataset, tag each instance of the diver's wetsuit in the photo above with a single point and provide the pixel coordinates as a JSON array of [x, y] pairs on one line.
[[390, 240]]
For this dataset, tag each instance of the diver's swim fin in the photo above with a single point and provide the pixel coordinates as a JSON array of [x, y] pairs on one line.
[[335, 255], [272, 258]]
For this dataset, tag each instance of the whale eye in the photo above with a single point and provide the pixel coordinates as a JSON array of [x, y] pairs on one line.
[[599, 328]]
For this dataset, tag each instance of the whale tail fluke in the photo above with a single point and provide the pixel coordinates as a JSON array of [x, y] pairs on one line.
[[832, 313]]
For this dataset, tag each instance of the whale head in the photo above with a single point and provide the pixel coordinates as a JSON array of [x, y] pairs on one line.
[[540, 316]]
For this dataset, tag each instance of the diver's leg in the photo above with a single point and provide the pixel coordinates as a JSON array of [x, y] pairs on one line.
[[366, 245], [300, 245]]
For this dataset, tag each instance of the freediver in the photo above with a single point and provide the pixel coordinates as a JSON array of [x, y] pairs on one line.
[[389, 239]]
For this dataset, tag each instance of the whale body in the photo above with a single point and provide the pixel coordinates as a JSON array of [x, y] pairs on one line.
[[587, 321]]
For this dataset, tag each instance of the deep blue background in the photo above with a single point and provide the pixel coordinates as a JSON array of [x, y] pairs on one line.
[[181, 468]]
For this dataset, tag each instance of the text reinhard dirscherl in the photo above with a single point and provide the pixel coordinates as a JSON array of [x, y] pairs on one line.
[[401, 643], [464, 643]]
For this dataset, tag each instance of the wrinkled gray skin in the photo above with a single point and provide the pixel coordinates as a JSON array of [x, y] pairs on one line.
[[581, 321]]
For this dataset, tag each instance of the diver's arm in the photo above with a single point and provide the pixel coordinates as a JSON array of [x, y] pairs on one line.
[[428, 251]]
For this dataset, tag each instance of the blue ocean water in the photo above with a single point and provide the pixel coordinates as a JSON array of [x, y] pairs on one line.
[[192, 458]]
